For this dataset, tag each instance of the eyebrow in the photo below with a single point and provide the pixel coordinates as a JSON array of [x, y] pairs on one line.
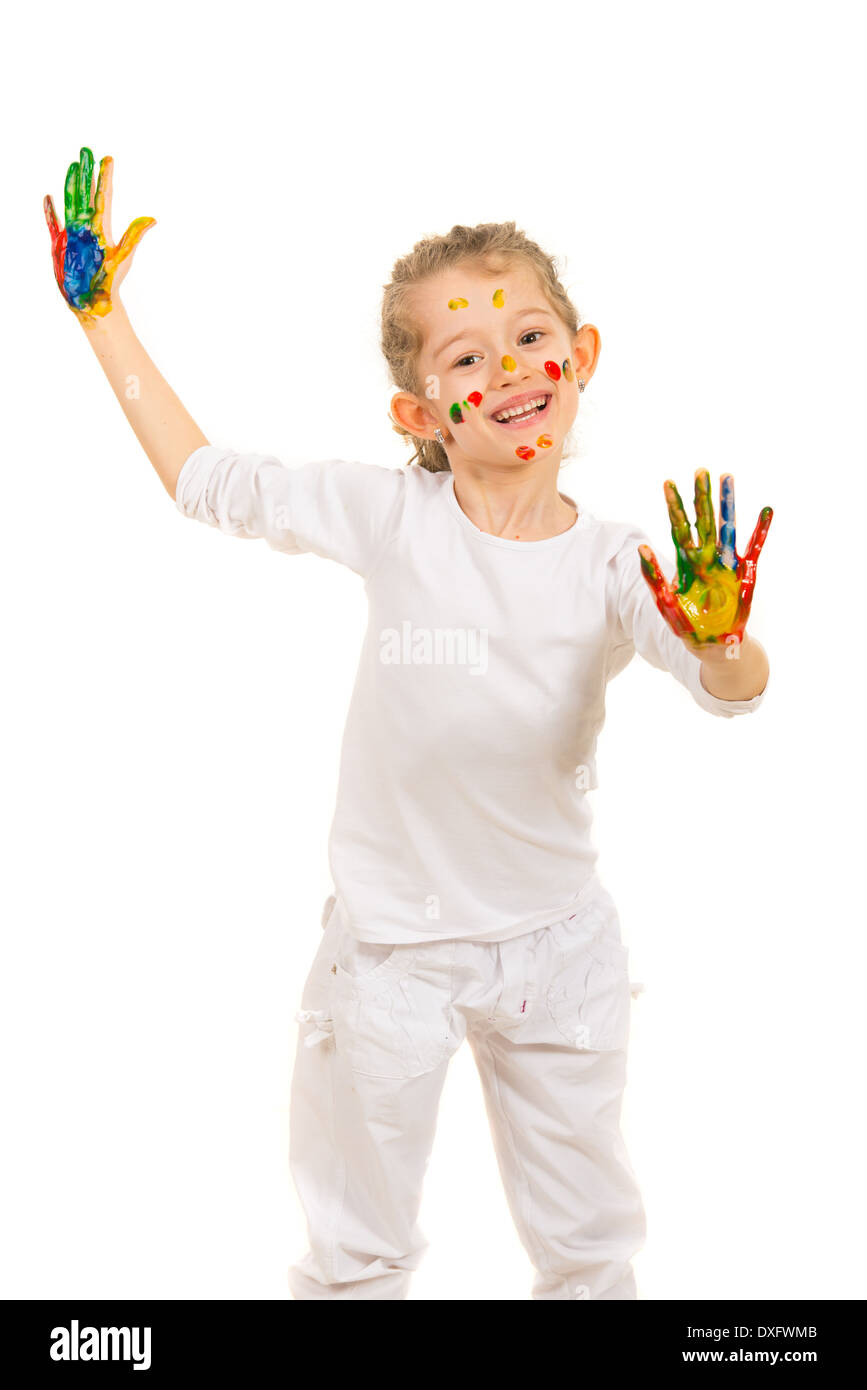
[[467, 332]]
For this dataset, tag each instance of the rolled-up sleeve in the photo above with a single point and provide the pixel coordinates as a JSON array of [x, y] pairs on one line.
[[343, 510], [636, 624]]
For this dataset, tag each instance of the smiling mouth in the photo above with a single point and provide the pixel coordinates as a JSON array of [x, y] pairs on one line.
[[525, 416]]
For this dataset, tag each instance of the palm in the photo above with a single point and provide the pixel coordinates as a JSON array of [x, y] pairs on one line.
[[711, 603], [86, 262]]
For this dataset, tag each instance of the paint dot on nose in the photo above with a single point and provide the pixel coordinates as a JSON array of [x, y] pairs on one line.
[[458, 303], [567, 370], [455, 413], [544, 441], [508, 364], [525, 452], [553, 370], [475, 398], [499, 299]]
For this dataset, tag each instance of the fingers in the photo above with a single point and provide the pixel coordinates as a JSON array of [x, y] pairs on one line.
[[130, 240], [70, 188], [51, 217], [704, 518], [58, 242], [666, 601], [750, 560], [680, 528], [681, 535], [77, 204], [85, 185], [102, 203], [728, 553]]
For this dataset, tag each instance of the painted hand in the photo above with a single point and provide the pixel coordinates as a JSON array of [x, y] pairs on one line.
[[715, 586], [86, 263]]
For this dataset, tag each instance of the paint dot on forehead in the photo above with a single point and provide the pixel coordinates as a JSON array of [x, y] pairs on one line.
[[498, 299], [525, 452], [455, 413], [458, 303], [553, 370], [475, 398], [567, 370], [544, 441], [508, 363]]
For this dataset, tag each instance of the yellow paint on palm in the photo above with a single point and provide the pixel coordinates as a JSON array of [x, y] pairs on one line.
[[711, 603], [508, 363], [459, 303], [498, 299]]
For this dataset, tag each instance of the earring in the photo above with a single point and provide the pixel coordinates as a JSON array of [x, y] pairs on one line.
[[580, 384], [439, 436]]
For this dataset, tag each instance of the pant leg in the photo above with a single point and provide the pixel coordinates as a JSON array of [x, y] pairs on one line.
[[363, 1109], [552, 1060], [554, 1115]]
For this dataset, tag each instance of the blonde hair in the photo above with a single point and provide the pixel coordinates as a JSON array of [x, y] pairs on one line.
[[495, 247]]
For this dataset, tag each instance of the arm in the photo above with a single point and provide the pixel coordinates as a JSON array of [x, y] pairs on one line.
[[165, 430], [89, 268]]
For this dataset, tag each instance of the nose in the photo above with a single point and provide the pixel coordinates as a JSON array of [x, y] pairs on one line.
[[511, 370]]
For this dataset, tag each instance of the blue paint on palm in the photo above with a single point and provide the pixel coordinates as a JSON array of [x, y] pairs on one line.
[[81, 264], [727, 524]]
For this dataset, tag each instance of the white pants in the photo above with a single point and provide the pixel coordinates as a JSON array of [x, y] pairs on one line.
[[547, 1018]]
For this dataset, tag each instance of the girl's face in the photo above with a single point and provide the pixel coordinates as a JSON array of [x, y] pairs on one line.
[[498, 366]]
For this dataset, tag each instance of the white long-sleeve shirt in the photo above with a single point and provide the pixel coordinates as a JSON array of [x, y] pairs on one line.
[[471, 734]]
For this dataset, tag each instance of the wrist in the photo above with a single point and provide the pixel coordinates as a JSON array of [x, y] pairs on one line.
[[104, 326]]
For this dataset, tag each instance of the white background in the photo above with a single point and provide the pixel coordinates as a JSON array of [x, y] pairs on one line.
[[173, 701]]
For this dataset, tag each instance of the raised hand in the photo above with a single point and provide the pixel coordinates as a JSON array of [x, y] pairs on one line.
[[711, 603], [87, 265]]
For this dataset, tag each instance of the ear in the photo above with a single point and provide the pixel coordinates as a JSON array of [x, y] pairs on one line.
[[586, 346], [408, 411]]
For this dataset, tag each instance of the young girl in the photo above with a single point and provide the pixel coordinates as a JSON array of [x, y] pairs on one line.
[[466, 900]]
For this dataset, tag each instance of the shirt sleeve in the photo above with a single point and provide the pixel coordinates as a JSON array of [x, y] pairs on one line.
[[340, 509], [636, 624]]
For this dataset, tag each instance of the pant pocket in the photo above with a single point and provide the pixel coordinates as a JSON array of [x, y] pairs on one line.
[[360, 958], [588, 996], [392, 1021]]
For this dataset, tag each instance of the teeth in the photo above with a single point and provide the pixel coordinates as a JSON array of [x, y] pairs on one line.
[[526, 409]]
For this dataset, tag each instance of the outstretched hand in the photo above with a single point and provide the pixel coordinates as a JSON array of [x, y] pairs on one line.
[[87, 265], [711, 603]]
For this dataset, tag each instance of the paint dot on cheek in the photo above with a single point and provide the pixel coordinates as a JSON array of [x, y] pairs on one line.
[[455, 413], [458, 303], [544, 441], [499, 299], [553, 370], [525, 452], [475, 398], [567, 370], [508, 364]]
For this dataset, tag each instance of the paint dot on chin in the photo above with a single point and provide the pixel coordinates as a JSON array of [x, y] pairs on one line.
[[544, 441], [525, 452], [553, 370], [458, 303], [508, 364]]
